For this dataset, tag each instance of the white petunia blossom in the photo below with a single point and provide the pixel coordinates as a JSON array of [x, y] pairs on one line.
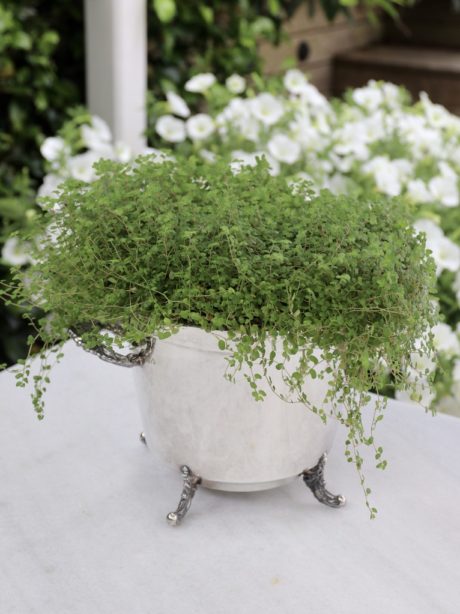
[[294, 81], [444, 189], [235, 84], [386, 174], [306, 134], [418, 191], [81, 166], [368, 97], [445, 340], [284, 149], [391, 94], [266, 108], [200, 127], [310, 95], [207, 155], [445, 252], [15, 253], [437, 115], [337, 184], [97, 135], [122, 152], [429, 227], [171, 129], [177, 105], [200, 83], [53, 148], [50, 185]]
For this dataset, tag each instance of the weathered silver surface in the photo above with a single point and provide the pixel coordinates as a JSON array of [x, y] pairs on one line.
[[314, 479], [134, 358], [193, 415], [191, 483]]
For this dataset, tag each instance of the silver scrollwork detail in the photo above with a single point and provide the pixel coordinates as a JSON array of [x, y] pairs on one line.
[[191, 483], [314, 479], [133, 359]]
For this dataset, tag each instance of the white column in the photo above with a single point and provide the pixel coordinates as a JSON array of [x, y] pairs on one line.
[[116, 66]]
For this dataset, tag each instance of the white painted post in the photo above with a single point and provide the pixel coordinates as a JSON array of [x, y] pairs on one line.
[[116, 66]]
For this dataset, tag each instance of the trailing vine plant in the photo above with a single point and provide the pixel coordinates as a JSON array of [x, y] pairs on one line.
[[342, 284]]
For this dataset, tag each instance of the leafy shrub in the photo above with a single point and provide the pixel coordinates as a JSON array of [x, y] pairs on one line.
[[150, 247]]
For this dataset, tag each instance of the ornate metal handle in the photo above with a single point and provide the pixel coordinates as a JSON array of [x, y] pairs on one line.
[[135, 358]]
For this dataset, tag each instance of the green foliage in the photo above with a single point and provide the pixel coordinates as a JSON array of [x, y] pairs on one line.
[[148, 248], [222, 36], [41, 76], [34, 95]]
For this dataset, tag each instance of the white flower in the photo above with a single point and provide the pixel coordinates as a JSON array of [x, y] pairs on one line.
[[200, 83], [429, 227], [236, 108], [235, 84], [368, 97], [437, 115], [53, 148], [310, 95], [445, 340], [386, 175], [337, 184], [50, 185], [15, 253], [391, 94], [171, 129], [418, 191], [97, 135], [342, 163], [177, 105], [307, 135], [122, 152], [81, 166], [200, 127], [294, 81], [444, 189], [445, 252], [207, 155], [404, 168], [266, 108], [284, 149]]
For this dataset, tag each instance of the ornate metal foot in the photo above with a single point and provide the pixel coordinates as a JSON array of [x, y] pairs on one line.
[[142, 438], [314, 479], [191, 482]]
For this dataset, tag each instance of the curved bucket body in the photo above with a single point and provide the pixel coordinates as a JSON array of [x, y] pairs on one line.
[[196, 417]]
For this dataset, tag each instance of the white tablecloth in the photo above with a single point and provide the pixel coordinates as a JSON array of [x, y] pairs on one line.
[[83, 531]]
